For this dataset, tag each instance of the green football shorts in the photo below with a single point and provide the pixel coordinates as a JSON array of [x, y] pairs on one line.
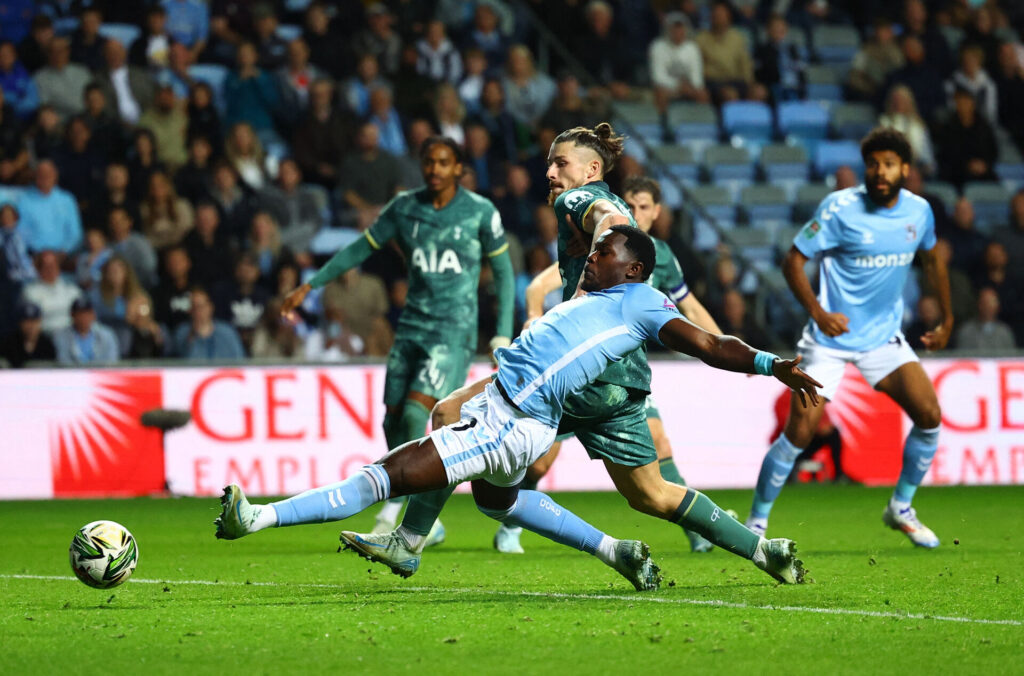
[[611, 423], [435, 370]]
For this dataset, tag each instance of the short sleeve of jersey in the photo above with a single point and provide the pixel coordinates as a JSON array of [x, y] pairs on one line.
[[928, 239], [821, 233], [386, 225], [492, 233], [576, 202], [645, 310]]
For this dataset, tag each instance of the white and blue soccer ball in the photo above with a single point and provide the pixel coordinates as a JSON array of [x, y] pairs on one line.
[[103, 554]]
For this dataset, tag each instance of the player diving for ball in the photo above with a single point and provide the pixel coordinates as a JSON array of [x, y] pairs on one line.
[[867, 238], [643, 196], [444, 231], [513, 418]]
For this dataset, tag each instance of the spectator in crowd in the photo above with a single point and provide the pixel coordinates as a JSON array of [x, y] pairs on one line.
[[132, 247], [410, 172], [472, 84], [27, 342], [172, 297], [323, 137], [294, 79], [437, 56], [61, 83], [928, 316], [387, 120], [203, 118], [271, 48], [167, 120], [79, 165], [16, 268], [110, 298], [334, 340], [528, 92], [537, 261], [368, 177], [500, 124], [208, 247], [90, 261], [85, 341], [45, 137], [1009, 79], [994, 273], [240, 301], [725, 277], [108, 136], [17, 20], [480, 158], [966, 144], [176, 73], [325, 48], [294, 206], [13, 152], [736, 321], [192, 180], [245, 153], [873, 63], [968, 244], [86, 41], [250, 95], [114, 194], [986, 331], [129, 86], [961, 290], [18, 86], [276, 338], [728, 68], [230, 25], [780, 63], [569, 109], [143, 162], [516, 207], [188, 23], [379, 37], [981, 30], [921, 77], [166, 218], [916, 24], [362, 300], [901, 114], [547, 230], [234, 203], [153, 48], [413, 91], [49, 214], [367, 78], [449, 114], [1012, 236], [145, 335], [486, 36], [33, 48], [602, 50], [264, 243], [972, 77], [204, 337], [51, 292]]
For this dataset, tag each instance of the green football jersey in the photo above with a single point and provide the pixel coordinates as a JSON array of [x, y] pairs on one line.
[[668, 274], [443, 249], [632, 370]]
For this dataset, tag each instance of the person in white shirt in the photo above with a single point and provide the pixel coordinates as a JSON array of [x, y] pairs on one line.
[[677, 68]]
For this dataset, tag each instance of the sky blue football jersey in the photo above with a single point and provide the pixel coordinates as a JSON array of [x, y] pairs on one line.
[[866, 252]]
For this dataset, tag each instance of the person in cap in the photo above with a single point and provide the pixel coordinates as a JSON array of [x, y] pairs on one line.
[[86, 341]]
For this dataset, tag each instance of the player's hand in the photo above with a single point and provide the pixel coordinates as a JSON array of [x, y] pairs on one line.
[[833, 324], [795, 379], [496, 342], [293, 300], [937, 338], [579, 242]]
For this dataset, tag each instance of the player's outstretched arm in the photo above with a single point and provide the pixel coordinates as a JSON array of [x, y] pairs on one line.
[[831, 323], [539, 287], [938, 278], [504, 283], [346, 259], [732, 354]]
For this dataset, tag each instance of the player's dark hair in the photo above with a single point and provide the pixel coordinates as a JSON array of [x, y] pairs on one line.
[[640, 245], [886, 138], [643, 184], [602, 139], [431, 141]]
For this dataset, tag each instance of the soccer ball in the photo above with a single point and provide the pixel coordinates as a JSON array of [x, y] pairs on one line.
[[103, 554]]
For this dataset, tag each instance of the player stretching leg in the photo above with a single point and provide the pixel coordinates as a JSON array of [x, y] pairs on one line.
[[513, 419], [867, 237], [444, 231], [643, 196]]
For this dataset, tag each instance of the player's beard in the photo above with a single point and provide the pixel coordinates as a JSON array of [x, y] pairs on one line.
[[893, 190]]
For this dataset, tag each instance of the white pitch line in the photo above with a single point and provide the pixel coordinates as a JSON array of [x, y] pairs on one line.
[[713, 603]]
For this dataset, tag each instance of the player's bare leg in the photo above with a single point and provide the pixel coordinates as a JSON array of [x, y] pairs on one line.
[[401, 424], [910, 387], [647, 492], [778, 463]]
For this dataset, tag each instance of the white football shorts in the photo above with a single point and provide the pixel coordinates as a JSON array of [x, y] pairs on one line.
[[826, 364], [492, 441]]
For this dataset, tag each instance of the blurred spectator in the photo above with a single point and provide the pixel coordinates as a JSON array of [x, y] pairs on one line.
[[528, 92], [1009, 79], [472, 84], [153, 47], [515, 206], [916, 24], [601, 49], [677, 67], [166, 218], [735, 321], [176, 73], [251, 95], [203, 118], [203, 337], [323, 137], [293, 205], [369, 176], [107, 135], [114, 194], [725, 277], [569, 109], [145, 336], [264, 243], [172, 299], [271, 48], [234, 203], [845, 177], [779, 63], [994, 273], [498, 121], [143, 161], [901, 114], [486, 36], [920, 76], [449, 114], [379, 37], [130, 87], [357, 89], [61, 82], [437, 56], [325, 48], [363, 300], [537, 260], [413, 92], [188, 23], [167, 120], [49, 215], [972, 77], [110, 298], [86, 41], [132, 247], [208, 245], [728, 68], [81, 168], [17, 20], [873, 63], [90, 261], [230, 25], [241, 300], [985, 331], [44, 137], [479, 158], [968, 244], [915, 184], [18, 87], [1012, 236], [389, 124], [13, 153], [982, 31], [245, 153], [27, 342], [547, 230], [16, 268], [192, 179], [294, 79], [51, 292], [410, 173], [277, 338], [961, 291], [85, 341], [927, 318], [33, 48], [966, 144], [334, 340]]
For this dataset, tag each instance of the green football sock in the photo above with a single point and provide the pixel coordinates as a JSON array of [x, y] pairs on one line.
[[413, 422], [424, 508], [528, 484], [669, 471], [698, 513]]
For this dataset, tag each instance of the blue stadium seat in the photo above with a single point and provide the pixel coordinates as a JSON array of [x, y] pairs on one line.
[[678, 161], [730, 167], [830, 155], [805, 122], [213, 75], [717, 203], [756, 245], [835, 44], [1009, 165], [823, 84], [693, 122], [808, 198], [766, 207], [853, 120], [125, 33], [642, 118], [786, 166], [749, 120], [991, 204]]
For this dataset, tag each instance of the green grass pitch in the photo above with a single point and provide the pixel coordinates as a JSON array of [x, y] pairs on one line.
[[283, 601]]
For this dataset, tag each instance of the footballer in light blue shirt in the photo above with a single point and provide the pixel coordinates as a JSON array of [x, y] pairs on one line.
[[867, 237], [510, 421]]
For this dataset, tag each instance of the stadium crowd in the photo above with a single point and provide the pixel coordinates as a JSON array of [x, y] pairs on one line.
[[170, 170]]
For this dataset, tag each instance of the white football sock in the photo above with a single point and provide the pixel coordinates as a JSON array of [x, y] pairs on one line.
[[266, 517], [413, 541], [606, 550]]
